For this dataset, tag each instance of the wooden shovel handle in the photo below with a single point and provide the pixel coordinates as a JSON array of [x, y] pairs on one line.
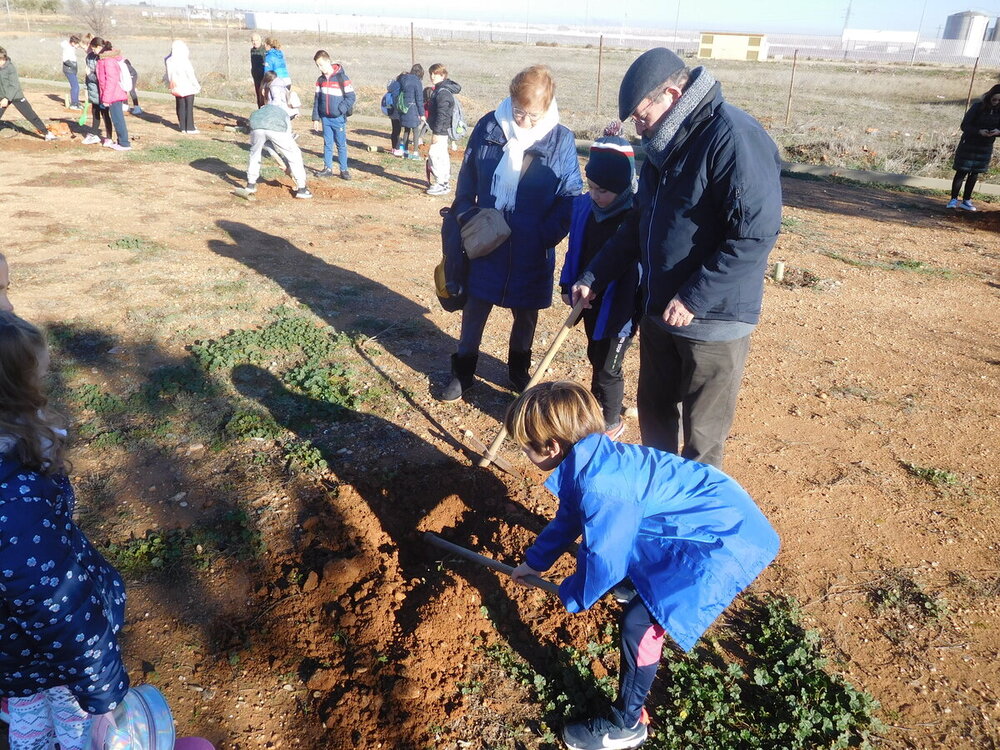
[[488, 562], [575, 313]]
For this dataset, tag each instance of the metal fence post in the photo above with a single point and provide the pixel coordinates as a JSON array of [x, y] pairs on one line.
[[229, 59], [600, 61], [972, 82], [413, 48], [791, 84]]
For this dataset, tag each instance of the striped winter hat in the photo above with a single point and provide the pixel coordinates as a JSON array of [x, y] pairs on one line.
[[612, 161]]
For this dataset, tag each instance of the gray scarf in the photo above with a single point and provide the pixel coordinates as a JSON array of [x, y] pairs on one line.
[[657, 146]]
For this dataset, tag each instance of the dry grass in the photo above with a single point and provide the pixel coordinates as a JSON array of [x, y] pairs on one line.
[[893, 118]]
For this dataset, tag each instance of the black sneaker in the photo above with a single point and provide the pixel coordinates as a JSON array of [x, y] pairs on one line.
[[345, 175], [603, 734], [325, 172]]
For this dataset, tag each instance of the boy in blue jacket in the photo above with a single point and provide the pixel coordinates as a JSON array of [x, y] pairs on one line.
[[687, 537], [332, 105]]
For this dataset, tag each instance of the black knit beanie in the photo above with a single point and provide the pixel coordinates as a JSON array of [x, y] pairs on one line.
[[612, 163], [649, 70]]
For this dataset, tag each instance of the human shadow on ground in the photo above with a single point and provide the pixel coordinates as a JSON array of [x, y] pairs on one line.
[[224, 171], [354, 304], [910, 209], [403, 481]]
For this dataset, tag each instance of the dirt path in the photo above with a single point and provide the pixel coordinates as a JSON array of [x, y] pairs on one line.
[[866, 429]]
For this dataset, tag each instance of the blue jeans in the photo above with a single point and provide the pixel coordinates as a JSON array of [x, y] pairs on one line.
[[118, 120], [334, 129], [69, 70]]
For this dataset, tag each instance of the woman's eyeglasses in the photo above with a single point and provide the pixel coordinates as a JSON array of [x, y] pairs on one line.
[[532, 117]]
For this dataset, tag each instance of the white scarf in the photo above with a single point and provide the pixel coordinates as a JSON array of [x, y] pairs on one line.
[[508, 171]]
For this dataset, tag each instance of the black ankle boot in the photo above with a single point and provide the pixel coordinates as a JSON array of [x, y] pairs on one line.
[[518, 364], [463, 372]]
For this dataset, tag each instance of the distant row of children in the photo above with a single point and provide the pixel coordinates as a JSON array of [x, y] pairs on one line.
[[413, 111]]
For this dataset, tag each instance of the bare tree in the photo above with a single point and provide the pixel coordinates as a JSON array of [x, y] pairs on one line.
[[95, 14]]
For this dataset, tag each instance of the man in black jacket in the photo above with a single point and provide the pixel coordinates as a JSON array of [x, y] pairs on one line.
[[709, 213], [441, 107]]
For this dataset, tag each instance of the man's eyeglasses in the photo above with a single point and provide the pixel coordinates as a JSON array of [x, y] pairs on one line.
[[640, 112]]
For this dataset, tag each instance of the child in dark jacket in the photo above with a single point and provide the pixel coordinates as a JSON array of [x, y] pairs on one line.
[[11, 93], [687, 537], [61, 604], [610, 321], [439, 121], [332, 105]]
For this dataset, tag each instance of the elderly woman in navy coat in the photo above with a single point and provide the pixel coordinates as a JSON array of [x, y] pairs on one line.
[[522, 162]]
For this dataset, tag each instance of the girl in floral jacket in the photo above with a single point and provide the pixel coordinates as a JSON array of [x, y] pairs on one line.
[[61, 603]]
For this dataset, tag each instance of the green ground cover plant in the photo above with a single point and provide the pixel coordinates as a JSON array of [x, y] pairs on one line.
[[769, 686]]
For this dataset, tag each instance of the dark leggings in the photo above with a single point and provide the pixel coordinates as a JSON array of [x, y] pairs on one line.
[[22, 106], [101, 113], [606, 357], [642, 646], [394, 136], [970, 184], [404, 141], [185, 112]]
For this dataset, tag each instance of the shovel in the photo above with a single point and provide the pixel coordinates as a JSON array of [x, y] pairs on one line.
[[488, 562], [491, 452]]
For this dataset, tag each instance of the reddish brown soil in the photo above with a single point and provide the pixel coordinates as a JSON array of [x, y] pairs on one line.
[[349, 631]]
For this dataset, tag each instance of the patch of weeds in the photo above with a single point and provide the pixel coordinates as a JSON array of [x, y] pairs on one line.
[[328, 383], [92, 398], [231, 534], [214, 152], [854, 391], [771, 689], [789, 224], [897, 594], [303, 456], [939, 478], [287, 333], [245, 425], [896, 265]]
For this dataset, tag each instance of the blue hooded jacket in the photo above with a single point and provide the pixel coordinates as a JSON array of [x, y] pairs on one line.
[[688, 536], [616, 306], [519, 273], [61, 604]]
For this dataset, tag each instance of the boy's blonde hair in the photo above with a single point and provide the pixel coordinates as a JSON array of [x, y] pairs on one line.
[[562, 411]]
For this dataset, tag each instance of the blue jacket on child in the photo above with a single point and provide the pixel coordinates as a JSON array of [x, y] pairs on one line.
[[688, 536], [274, 60], [617, 312], [61, 603], [519, 272]]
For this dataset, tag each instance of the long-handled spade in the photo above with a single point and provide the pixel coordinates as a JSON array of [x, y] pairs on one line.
[[491, 452], [488, 562]]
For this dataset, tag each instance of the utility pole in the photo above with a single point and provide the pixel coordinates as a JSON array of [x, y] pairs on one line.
[[920, 25]]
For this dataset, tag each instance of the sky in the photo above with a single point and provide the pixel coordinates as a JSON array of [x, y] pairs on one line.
[[770, 16]]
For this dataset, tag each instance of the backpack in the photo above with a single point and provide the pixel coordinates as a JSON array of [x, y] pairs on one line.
[[400, 101], [459, 127], [125, 77], [387, 103]]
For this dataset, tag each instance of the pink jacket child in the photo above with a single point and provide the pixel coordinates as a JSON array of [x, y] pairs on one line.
[[114, 93]]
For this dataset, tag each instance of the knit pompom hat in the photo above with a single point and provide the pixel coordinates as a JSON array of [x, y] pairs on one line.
[[612, 161], [649, 70]]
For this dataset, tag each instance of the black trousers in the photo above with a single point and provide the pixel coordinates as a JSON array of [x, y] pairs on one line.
[[101, 114], [688, 388], [185, 112], [22, 106], [397, 128], [606, 357]]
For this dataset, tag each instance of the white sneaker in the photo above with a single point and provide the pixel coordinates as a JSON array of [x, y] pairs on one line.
[[192, 132], [438, 189], [50, 136], [91, 139]]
